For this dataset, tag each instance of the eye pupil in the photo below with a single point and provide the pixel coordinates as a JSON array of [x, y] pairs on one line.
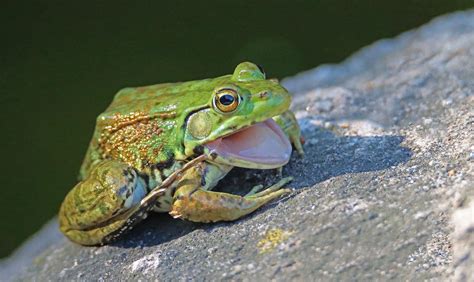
[[226, 99]]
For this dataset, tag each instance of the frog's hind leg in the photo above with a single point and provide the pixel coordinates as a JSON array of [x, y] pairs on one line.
[[199, 205], [99, 207]]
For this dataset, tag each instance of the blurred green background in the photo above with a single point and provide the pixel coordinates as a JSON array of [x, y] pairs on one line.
[[62, 62]]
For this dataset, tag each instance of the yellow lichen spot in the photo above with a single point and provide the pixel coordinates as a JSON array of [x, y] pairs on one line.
[[272, 239], [344, 125]]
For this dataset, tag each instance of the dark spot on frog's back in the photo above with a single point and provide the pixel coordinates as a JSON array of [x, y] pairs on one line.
[[163, 165], [128, 174], [146, 179], [146, 163]]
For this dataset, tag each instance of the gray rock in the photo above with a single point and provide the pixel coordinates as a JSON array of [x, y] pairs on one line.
[[28, 251], [463, 242], [388, 161]]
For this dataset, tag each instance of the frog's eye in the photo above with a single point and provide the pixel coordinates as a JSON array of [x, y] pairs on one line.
[[226, 101]]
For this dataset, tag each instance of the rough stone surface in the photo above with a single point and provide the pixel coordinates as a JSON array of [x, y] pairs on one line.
[[384, 191], [463, 243]]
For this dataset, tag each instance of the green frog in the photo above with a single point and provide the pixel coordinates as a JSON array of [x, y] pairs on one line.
[[165, 147]]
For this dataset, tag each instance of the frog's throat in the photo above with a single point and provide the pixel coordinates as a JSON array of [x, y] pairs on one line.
[[263, 145]]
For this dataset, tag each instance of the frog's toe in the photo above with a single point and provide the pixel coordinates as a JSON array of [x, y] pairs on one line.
[[274, 188], [298, 141], [254, 190], [268, 194]]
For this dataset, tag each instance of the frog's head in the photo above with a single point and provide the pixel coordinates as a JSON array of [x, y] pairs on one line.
[[236, 126]]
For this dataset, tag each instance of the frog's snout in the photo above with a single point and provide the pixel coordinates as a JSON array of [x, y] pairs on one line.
[[270, 103]]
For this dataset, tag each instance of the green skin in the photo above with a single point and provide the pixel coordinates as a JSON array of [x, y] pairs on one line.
[[147, 154]]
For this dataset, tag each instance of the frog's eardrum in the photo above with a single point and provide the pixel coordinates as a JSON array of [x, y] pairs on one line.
[[263, 143]]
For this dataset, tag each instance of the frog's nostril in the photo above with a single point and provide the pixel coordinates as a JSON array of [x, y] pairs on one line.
[[264, 95]]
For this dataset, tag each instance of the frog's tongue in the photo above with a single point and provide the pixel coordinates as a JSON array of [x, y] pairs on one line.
[[263, 143]]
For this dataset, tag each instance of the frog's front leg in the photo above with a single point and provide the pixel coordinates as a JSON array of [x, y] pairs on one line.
[[193, 202], [287, 121], [100, 206]]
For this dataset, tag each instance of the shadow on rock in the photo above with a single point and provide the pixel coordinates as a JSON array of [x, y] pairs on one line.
[[326, 155], [158, 228]]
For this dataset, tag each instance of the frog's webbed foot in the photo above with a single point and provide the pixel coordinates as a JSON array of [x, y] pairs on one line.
[[195, 204], [287, 121], [101, 206]]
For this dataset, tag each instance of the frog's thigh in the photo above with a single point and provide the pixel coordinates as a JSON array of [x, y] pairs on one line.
[[195, 204], [94, 208], [288, 123]]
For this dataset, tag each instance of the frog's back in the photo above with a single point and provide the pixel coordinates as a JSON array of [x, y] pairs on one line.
[[141, 125], [158, 97]]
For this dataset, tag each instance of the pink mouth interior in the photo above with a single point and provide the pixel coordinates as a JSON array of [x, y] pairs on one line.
[[263, 143]]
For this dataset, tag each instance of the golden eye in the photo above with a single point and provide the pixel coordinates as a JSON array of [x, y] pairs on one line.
[[226, 100]]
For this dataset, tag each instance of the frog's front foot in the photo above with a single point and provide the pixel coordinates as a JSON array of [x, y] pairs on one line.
[[287, 121], [195, 204], [101, 206]]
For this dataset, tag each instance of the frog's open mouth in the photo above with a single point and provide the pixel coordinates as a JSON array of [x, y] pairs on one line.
[[263, 143]]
